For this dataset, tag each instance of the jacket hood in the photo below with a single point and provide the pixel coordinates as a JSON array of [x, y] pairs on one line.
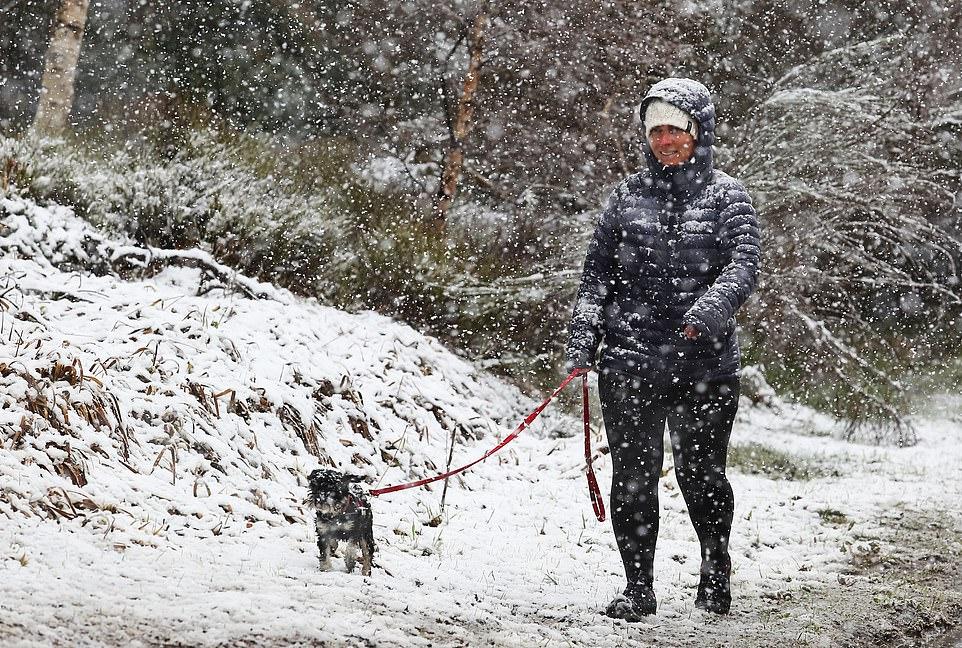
[[686, 179]]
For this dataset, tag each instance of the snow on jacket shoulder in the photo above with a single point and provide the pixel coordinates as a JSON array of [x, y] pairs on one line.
[[673, 246]]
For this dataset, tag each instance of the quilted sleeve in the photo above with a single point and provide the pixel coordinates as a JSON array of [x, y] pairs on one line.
[[598, 277], [739, 242]]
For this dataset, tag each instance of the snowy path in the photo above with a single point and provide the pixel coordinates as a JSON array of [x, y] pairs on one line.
[[516, 563]]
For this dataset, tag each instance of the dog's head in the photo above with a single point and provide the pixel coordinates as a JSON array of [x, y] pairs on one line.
[[327, 484]]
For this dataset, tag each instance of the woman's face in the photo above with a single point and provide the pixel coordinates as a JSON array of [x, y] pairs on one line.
[[671, 145]]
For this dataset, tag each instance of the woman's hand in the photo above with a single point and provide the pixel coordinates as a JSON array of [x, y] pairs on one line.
[[691, 332]]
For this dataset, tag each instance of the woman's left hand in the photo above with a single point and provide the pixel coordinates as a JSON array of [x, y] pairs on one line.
[[691, 332]]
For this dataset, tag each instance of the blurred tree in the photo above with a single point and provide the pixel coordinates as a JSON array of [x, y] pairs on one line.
[[458, 118], [60, 68], [856, 173], [551, 104], [24, 33], [553, 108], [559, 96]]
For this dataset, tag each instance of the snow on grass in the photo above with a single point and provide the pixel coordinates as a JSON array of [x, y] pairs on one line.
[[214, 408], [155, 442]]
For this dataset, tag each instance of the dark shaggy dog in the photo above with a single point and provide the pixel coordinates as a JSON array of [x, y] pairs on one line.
[[343, 514]]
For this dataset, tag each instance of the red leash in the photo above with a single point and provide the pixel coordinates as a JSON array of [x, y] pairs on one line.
[[593, 489], [596, 502]]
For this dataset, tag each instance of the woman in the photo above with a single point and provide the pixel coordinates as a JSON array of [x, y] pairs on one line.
[[673, 256]]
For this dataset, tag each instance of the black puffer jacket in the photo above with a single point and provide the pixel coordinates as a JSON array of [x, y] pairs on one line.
[[674, 246]]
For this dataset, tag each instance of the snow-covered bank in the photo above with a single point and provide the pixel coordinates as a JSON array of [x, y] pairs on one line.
[[194, 414], [155, 444]]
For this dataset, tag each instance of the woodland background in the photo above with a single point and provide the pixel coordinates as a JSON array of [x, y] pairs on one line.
[[442, 163]]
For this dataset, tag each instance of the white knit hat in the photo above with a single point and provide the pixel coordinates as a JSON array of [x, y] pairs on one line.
[[662, 113]]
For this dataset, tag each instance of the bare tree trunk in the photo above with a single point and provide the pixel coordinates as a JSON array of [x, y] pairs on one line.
[[461, 127], [60, 68]]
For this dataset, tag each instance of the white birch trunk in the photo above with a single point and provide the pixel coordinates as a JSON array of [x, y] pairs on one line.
[[60, 68]]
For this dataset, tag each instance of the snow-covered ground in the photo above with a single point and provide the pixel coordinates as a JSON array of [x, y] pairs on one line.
[[155, 442]]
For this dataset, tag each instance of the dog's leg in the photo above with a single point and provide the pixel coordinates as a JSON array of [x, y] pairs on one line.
[[325, 550], [350, 556], [367, 545], [367, 556]]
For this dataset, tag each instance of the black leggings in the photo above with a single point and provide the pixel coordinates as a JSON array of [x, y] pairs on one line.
[[699, 421]]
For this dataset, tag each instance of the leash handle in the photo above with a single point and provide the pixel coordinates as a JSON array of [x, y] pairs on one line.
[[508, 439], [597, 503]]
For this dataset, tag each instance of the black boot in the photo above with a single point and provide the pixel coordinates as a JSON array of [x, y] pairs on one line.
[[714, 589], [637, 602]]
